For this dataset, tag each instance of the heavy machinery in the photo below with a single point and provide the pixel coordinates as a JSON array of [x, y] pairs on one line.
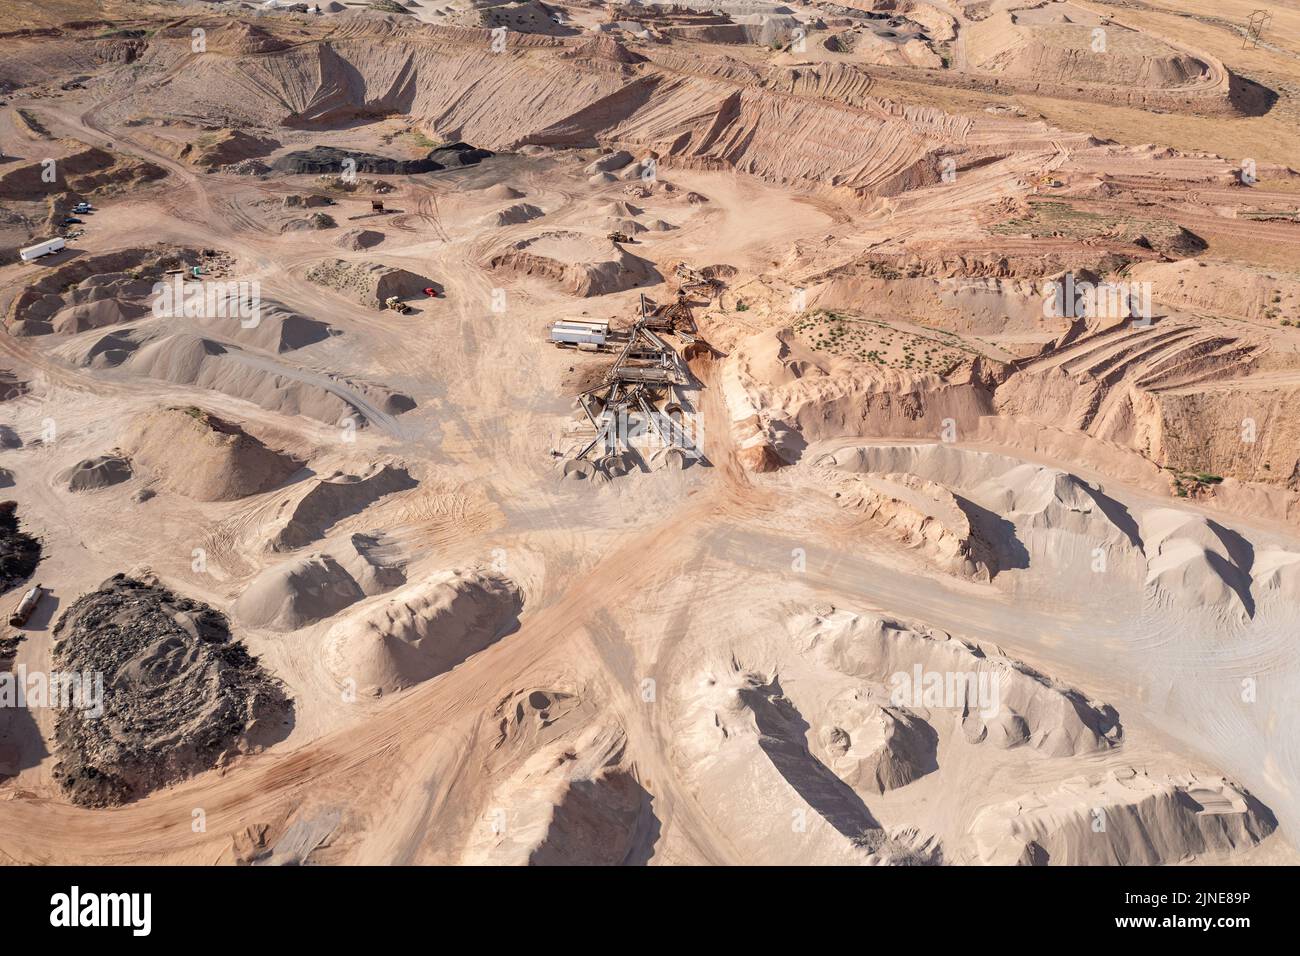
[[620, 237], [638, 392], [397, 305]]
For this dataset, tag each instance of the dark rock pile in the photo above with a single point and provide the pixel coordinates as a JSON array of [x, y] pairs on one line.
[[180, 695], [19, 551]]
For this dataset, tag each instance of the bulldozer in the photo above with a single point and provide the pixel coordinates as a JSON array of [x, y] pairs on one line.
[[397, 305]]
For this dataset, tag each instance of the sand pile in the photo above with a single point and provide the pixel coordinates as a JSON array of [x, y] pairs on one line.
[[422, 630], [873, 747], [358, 239], [278, 329], [1003, 702], [213, 149], [315, 222], [370, 283], [513, 215], [503, 191], [201, 456], [296, 593], [576, 802], [629, 227], [88, 171], [186, 359], [310, 510], [736, 724], [375, 560], [582, 265], [180, 696], [20, 552], [1149, 821], [920, 514], [124, 279], [92, 474], [312, 587], [237, 37], [1194, 562]]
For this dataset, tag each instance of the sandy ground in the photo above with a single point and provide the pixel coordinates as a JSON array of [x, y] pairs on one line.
[[662, 605]]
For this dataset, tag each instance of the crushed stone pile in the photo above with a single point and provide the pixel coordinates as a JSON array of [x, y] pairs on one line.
[[179, 694], [19, 552]]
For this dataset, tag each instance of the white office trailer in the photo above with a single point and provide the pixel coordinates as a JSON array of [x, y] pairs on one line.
[[32, 253], [578, 332]]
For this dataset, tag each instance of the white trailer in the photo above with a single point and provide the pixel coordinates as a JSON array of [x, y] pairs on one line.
[[578, 332], [32, 253]]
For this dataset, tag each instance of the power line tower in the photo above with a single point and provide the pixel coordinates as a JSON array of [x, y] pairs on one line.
[[1255, 28]]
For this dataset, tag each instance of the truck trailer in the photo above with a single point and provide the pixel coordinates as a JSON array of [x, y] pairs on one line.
[[579, 332], [49, 246]]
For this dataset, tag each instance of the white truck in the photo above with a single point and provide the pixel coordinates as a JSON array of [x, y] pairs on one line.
[[32, 253]]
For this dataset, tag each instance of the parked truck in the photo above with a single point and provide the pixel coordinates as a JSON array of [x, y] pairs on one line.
[[48, 247]]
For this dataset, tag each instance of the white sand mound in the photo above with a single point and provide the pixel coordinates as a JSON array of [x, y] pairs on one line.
[[874, 748], [1148, 821], [629, 227], [375, 561], [306, 515], [660, 225], [513, 215], [941, 677], [622, 209], [422, 630], [574, 802], [920, 514], [602, 179], [741, 748], [193, 360], [1277, 574], [92, 474], [503, 191], [296, 593], [273, 327], [1194, 563], [203, 457], [310, 588], [1032, 515], [95, 315]]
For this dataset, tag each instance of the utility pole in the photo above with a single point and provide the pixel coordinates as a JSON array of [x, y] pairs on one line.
[[1255, 28]]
